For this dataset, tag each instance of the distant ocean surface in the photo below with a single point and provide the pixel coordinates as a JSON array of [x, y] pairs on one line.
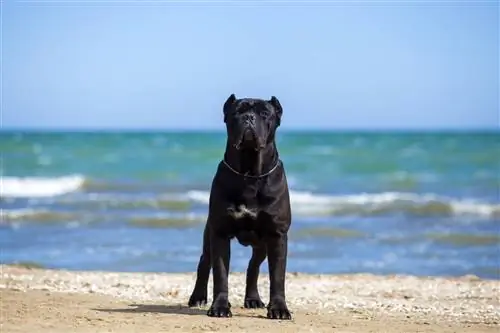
[[385, 203]]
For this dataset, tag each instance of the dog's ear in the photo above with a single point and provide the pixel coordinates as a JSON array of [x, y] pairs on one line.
[[228, 105], [278, 109]]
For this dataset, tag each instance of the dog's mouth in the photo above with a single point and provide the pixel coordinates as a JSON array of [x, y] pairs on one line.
[[248, 140]]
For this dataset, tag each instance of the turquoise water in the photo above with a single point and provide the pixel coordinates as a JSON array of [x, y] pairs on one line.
[[412, 203]]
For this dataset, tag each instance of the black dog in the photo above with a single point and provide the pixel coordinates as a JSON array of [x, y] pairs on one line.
[[249, 200]]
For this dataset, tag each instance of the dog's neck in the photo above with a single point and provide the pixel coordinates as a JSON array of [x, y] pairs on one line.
[[251, 162]]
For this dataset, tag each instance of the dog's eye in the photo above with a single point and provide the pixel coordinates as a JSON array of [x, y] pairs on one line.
[[265, 113]]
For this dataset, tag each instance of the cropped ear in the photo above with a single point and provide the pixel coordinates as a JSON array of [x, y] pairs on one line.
[[228, 104], [277, 107]]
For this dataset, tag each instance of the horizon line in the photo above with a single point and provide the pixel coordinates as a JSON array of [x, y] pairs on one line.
[[222, 130]]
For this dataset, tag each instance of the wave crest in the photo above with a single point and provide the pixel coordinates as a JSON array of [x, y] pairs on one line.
[[38, 187], [39, 215], [390, 202]]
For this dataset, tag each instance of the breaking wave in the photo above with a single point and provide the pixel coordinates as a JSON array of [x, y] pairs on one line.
[[39, 187], [303, 203], [39, 215]]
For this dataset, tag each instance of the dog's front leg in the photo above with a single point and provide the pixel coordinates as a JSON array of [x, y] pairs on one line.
[[221, 253], [277, 248]]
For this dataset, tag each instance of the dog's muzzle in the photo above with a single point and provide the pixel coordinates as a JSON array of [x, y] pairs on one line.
[[248, 135], [248, 139]]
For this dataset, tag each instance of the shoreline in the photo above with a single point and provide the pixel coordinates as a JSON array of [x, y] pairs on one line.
[[359, 302]]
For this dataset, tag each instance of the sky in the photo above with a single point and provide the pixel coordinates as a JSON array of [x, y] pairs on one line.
[[171, 65]]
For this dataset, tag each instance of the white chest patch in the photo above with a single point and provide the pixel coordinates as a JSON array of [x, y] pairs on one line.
[[241, 212]]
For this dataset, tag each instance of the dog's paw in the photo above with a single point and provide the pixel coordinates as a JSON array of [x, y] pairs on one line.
[[253, 303], [197, 300], [278, 310], [220, 308], [220, 311]]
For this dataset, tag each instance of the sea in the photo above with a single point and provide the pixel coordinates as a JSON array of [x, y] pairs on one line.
[[420, 203]]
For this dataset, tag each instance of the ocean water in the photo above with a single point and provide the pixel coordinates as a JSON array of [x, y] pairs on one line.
[[384, 203]]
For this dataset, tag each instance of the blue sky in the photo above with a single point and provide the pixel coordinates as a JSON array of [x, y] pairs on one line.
[[169, 66]]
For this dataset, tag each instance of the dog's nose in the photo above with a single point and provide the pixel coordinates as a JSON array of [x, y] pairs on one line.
[[249, 118]]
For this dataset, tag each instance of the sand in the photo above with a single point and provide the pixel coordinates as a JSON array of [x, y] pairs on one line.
[[39, 300]]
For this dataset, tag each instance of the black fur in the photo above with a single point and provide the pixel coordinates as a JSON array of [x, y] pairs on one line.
[[249, 201]]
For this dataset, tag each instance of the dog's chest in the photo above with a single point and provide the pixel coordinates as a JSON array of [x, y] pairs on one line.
[[243, 212], [246, 205], [246, 225]]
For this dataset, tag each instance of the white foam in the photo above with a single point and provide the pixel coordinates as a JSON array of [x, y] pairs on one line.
[[31, 187], [305, 202], [14, 214], [199, 196]]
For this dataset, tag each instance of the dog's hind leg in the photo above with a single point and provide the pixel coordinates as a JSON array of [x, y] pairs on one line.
[[199, 295], [252, 297]]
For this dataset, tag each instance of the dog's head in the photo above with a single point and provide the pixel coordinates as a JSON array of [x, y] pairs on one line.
[[251, 123]]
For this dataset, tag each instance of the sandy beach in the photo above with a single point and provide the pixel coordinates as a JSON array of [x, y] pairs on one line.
[[39, 300]]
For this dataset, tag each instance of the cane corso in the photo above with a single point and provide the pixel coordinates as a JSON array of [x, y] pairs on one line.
[[249, 200]]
